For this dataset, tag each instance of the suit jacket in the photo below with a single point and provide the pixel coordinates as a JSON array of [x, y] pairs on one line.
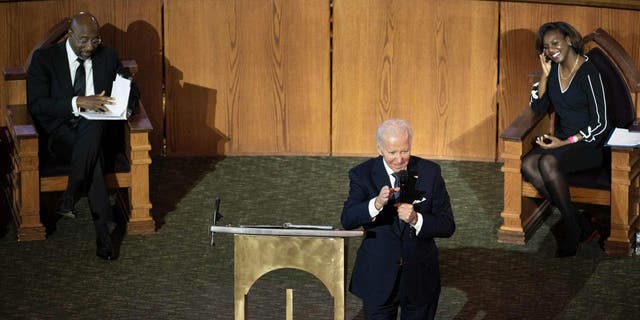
[[49, 87], [385, 248]]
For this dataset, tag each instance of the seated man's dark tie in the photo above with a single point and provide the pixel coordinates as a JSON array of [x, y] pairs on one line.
[[79, 83], [79, 87]]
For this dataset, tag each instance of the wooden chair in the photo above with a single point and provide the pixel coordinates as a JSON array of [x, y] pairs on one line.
[[32, 172], [616, 184]]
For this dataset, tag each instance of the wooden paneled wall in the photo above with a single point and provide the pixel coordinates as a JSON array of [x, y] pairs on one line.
[[519, 23], [278, 77], [133, 27], [264, 88], [247, 77], [431, 62]]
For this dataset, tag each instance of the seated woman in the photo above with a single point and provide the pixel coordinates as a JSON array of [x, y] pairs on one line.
[[573, 85]]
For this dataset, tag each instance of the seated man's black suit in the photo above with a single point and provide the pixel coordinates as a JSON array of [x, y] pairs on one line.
[[74, 139]]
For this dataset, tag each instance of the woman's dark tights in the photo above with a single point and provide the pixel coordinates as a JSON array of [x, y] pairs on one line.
[[544, 172]]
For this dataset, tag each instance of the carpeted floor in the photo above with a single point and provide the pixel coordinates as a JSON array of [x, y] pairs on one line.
[[175, 274]]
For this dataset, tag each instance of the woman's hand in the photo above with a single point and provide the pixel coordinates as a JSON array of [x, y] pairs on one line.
[[548, 141], [545, 63]]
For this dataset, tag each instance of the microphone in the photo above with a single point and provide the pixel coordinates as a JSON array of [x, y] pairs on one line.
[[403, 179], [216, 217]]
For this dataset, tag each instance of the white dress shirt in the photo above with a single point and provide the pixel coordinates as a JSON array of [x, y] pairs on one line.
[[373, 212], [88, 67]]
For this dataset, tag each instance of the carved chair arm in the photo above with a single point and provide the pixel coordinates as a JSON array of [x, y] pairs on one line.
[[521, 132], [20, 123], [14, 73], [523, 125], [139, 121]]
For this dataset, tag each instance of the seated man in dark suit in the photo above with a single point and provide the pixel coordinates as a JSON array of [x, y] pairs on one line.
[[64, 79], [397, 263]]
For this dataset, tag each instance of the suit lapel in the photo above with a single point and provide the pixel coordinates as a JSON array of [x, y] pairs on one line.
[[381, 179], [416, 187], [379, 174], [412, 167], [98, 65], [62, 67]]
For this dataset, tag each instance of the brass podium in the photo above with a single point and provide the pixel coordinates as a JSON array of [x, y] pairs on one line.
[[258, 251]]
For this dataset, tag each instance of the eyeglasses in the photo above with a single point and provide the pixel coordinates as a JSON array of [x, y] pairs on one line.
[[84, 41]]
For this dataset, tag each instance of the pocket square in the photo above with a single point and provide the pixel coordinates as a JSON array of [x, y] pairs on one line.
[[421, 200]]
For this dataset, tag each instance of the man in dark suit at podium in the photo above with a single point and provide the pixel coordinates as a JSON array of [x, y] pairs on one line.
[[397, 263], [64, 79]]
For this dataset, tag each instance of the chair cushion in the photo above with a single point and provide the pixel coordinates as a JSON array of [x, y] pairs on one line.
[[598, 178]]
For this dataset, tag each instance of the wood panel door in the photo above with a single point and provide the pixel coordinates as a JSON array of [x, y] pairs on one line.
[[431, 62], [247, 77]]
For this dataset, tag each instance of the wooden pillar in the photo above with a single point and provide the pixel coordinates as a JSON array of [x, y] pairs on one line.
[[521, 215], [625, 166], [27, 189], [140, 221]]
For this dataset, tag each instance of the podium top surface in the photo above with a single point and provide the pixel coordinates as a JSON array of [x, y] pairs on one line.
[[288, 231]]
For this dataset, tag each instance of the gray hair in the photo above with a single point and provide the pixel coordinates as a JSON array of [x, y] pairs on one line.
[[394, 127]]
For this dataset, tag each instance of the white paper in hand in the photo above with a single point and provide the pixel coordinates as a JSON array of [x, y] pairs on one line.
[[118, 111]]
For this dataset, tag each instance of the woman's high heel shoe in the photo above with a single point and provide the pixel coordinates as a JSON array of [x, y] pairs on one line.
[[564, 253], [588, 238], [596, 226]]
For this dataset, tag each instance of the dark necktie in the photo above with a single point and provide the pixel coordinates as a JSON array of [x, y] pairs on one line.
[[396, 184], [79, 85]]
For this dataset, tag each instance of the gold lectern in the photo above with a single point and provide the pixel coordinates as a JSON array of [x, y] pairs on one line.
[[258, 251]]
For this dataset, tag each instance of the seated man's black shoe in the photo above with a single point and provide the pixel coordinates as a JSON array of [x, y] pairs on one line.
[[105, 255], [65, 206], [104, 249]]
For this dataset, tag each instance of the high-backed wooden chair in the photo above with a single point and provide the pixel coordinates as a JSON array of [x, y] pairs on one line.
[[616, 184], [32, 172]]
